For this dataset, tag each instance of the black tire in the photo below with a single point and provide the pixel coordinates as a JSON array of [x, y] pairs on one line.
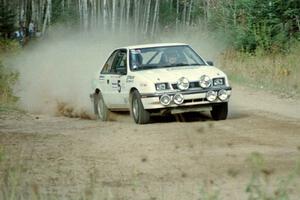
[[100, 108], [139, 114], [219, 111]]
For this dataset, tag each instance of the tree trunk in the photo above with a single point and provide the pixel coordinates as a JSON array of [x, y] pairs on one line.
[[128, 11], [113, 18], [177, 15], [136, 20], [148, 16], [184, 12], [189, 13], [104, 14], [155, 17], [47, 16], [298, 22], [207, 11], [85, 14], [122, 11]]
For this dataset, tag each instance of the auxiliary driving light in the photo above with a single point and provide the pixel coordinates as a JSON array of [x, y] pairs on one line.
[[205, 81], [178, 98], [183, 83], [165, 99], [223, 95], [211, 95]]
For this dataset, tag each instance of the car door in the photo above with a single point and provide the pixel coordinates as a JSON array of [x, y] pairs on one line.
[[118, 80], [105, 79]]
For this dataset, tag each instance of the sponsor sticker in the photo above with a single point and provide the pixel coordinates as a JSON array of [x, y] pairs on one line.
[[130, 79]]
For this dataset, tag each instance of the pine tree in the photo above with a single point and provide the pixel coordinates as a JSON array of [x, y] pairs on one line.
[[7, 20]]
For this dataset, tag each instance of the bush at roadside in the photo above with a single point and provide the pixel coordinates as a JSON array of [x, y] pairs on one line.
[[8, 77], [7, 80], [278, 72]]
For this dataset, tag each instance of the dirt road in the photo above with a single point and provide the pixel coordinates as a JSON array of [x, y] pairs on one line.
[[74, 158]]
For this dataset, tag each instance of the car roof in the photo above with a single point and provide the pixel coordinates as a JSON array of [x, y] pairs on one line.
[[154, 45]]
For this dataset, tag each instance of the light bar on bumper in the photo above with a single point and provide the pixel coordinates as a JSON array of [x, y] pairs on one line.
[[158, 94], [165, 99], [178, 98], [223, 95], [205, 81], [211, 95], [190, 97]]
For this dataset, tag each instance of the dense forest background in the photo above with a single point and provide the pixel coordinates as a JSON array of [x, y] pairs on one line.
[[271, 25]]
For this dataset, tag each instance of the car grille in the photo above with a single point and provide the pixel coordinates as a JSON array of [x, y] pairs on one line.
[[194, 100], [195, 84]]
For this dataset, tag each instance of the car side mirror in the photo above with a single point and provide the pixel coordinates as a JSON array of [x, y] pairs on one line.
[[210, 63]]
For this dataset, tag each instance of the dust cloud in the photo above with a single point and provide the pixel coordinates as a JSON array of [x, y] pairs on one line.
[[56, 72]]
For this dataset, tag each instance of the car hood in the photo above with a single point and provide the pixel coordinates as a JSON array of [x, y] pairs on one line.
[[173, 74]]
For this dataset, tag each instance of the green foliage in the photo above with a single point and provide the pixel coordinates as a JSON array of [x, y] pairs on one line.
[[7, 80], [64, 15], [268, 24], [1, 154], [168, 14], [259, 188], [8, 46], [207, 194], [7, 20]]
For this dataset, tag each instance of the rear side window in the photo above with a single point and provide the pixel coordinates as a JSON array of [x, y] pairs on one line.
[[119, 64], [109, 63]]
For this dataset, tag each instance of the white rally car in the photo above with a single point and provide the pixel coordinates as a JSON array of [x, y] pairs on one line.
[[158, 79]]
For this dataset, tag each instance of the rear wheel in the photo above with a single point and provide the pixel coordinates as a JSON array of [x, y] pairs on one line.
[[219, 111], [100, 108], [140, 115]]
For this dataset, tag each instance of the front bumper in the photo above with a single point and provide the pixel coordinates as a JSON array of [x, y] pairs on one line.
[[191, 98]]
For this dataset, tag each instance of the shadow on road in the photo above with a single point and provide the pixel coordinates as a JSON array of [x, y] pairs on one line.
[[124, 116], [184, 117]]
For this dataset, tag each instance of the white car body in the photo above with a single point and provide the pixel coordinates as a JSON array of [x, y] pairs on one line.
[[116, 87]]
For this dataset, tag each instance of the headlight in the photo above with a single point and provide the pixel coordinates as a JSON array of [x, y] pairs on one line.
[[161, 86], [223, 95], [165, 99], [211, 95], [183, 83], [205, 81], [178, 98], [218, 81]]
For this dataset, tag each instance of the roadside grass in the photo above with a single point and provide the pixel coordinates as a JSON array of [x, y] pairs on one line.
[[277, 72], [15, 183], [8, 46], [259, 187], [8, 76]]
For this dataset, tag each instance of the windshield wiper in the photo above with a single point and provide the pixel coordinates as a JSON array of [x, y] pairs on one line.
[[173, 65], [197, 64], [181, 64]]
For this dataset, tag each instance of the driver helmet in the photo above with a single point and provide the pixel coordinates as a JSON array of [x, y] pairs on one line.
[[171, 56]]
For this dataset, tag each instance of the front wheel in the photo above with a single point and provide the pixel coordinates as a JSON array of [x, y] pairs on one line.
[[219, 111], [100, 108], [140, 115]]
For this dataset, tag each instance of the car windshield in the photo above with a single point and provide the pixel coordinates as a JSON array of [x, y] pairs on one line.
[[163, 57]]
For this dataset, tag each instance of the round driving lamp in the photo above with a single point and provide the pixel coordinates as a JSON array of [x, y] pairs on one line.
[[211, 95], [223, 95], [205, 81], [183, 83], [178, 98], [165, 99]]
